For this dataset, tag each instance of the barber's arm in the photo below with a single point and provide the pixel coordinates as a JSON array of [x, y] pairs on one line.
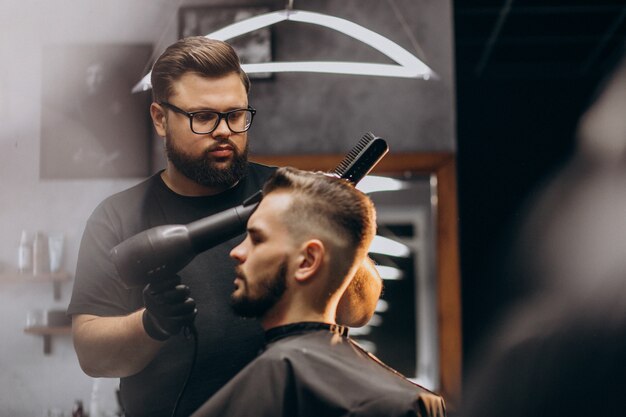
[[112, 346], [123, 345], [358, 302]]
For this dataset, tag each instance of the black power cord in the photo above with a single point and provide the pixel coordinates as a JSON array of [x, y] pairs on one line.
[[190, 332]]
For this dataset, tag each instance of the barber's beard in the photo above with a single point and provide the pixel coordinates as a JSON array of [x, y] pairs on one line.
[[204, 170], [268, 294]]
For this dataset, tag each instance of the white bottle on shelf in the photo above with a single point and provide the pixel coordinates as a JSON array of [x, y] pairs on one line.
[[41, 254], [25, 255], [94, 403]]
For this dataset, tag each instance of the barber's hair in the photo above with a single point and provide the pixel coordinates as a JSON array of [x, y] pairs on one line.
[[195, 54], [330, 209]]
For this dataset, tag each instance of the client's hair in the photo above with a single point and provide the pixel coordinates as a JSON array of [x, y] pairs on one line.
[[330, 209]]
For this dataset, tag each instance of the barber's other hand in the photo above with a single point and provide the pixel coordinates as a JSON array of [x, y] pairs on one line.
[[168, 308]]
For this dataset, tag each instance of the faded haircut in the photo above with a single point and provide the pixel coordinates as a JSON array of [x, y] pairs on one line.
[[330, 209]]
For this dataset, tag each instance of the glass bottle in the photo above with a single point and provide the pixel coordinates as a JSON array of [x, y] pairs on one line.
[[41, 256], [25, 255], [77, 410]]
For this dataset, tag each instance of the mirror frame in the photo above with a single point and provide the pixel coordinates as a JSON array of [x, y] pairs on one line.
[[441, 167]]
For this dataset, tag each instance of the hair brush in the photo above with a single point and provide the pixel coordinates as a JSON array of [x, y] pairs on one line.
[[362, 158]]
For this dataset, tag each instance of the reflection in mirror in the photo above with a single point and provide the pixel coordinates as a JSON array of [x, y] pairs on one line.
[[403, 332]]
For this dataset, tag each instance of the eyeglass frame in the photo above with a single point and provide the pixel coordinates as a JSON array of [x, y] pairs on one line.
[[220, 116]]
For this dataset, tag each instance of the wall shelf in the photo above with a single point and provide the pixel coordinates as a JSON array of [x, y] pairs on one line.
[[47, 332], [56, 278]]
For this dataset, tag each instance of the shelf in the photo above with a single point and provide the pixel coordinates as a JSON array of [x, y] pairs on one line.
[[47, 332], [56, 278], [60, 276]]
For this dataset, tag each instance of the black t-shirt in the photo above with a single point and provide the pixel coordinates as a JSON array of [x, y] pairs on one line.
[[226, 342]]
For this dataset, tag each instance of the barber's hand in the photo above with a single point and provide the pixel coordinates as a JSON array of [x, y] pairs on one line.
[[168, 308]]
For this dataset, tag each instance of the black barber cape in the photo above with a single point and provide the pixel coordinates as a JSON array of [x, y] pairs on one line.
[[314, 369]]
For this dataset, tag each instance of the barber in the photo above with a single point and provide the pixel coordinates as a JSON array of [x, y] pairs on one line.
[[200, 107]]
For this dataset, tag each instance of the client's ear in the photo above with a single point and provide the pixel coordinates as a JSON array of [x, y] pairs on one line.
[[310, 259]]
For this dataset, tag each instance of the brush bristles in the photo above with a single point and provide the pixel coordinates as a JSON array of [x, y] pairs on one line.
[[342, 169]]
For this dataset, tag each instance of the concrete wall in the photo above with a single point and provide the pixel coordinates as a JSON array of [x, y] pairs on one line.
[[298, 113], [329, 113]]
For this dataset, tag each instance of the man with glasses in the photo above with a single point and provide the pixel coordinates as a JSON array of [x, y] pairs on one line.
[[200, 106]]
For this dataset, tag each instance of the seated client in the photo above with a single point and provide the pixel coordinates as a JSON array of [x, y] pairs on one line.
[[304, 243]]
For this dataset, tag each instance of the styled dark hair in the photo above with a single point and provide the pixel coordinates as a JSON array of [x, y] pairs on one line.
[[196, 54], [327, 208]]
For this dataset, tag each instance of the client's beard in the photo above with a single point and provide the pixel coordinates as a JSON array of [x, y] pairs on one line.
[[246, 306], [203, 170]]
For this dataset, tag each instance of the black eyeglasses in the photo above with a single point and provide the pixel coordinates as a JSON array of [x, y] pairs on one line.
[[203, 122]]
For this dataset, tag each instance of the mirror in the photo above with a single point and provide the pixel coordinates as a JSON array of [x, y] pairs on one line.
[[402, 332], [417, 326]]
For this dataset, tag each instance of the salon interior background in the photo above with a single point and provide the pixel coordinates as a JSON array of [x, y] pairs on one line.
[[297, 113], [515, 77]]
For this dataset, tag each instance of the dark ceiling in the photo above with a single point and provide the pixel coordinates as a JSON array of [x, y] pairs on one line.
[[525, 73], [538, 39]]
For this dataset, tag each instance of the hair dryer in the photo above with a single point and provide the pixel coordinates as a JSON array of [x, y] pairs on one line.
[[162, 251]]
